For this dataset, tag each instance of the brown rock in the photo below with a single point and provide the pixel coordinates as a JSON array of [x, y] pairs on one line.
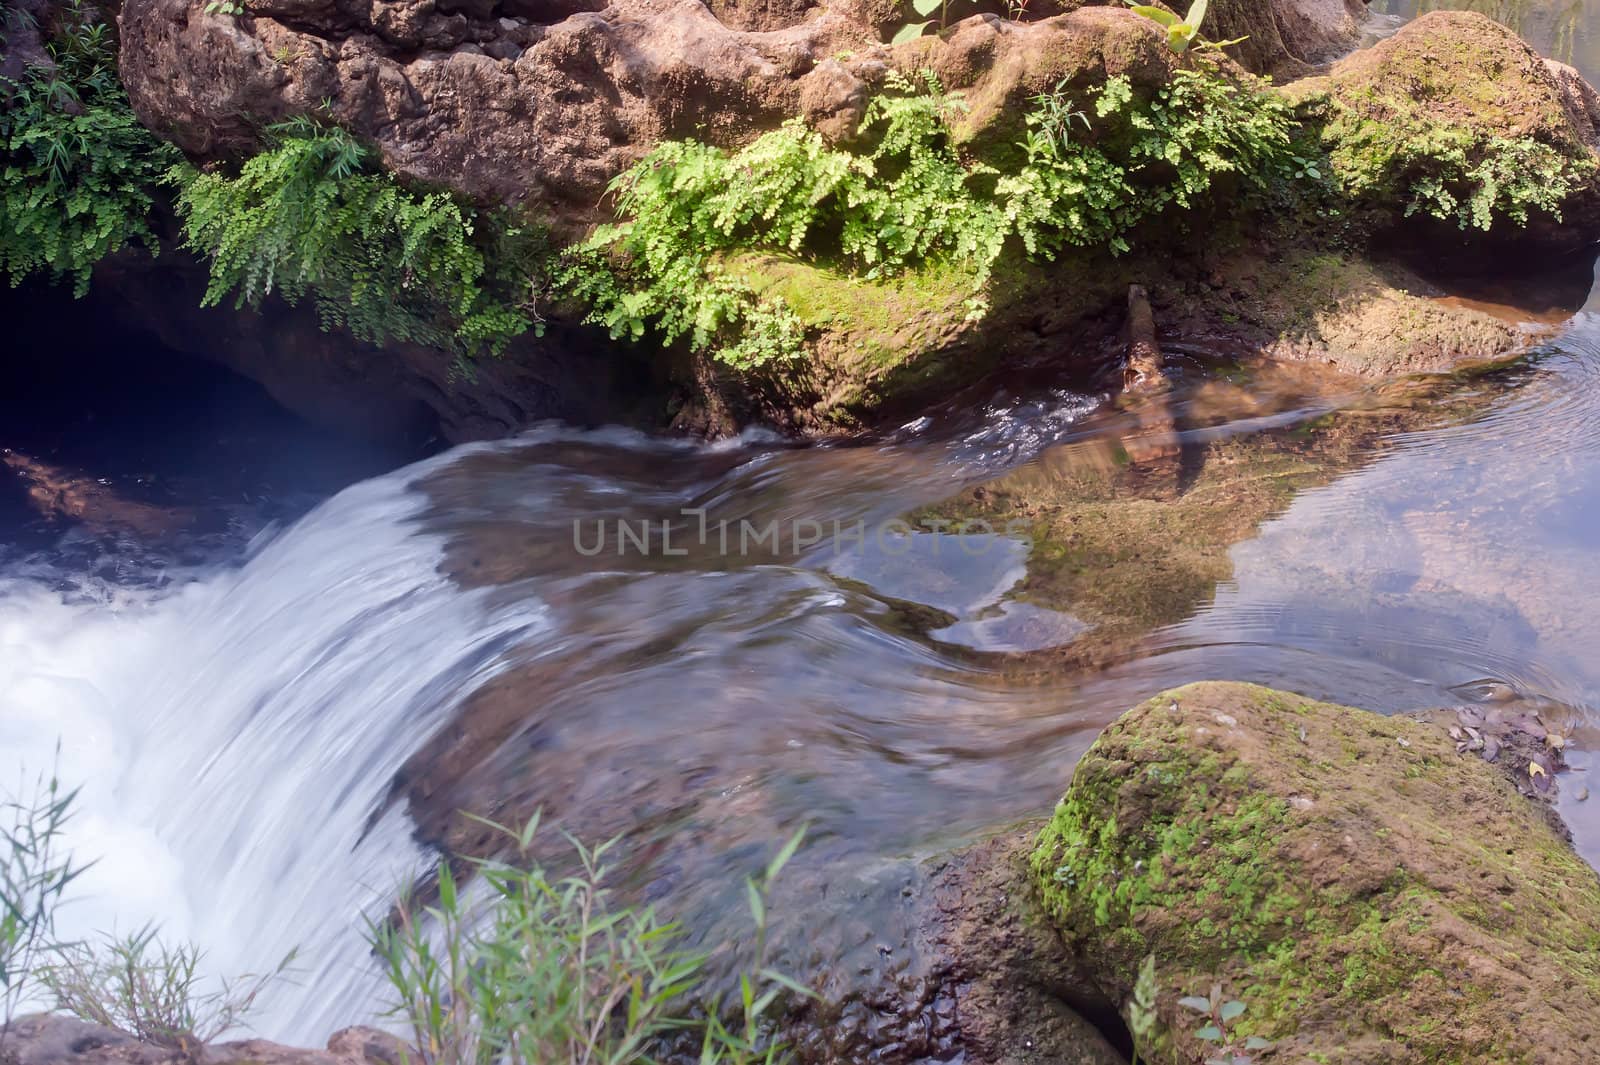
[[55, 1040], [1286, 37], [581, 99]]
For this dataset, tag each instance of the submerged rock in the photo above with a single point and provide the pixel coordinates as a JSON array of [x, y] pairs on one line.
[[1368, 892]]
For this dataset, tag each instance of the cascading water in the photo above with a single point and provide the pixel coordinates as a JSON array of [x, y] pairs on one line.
[[249, 734], [233, 734]]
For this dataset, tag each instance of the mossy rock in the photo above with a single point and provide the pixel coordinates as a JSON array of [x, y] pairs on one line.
[[999, 66], [1367, 892], [884, 345], [1454, 118]]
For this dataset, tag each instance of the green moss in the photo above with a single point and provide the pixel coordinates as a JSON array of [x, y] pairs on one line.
[[1455, 118], [1200, 829]]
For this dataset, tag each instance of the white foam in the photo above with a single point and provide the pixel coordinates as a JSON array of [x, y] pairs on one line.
[[232, 738]]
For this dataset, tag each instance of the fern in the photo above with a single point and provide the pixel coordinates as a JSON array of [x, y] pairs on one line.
[[907, 198], [77, 170], [311, 215]]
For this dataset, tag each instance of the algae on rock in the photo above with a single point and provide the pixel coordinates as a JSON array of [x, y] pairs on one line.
[[1367, 891], [1456, 118]]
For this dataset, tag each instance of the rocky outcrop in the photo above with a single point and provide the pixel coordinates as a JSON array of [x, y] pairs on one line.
[[1456, 119], [56, 1040], [1365, 889], [404, 394], [538, 103], [544, 101], [1288, 37]]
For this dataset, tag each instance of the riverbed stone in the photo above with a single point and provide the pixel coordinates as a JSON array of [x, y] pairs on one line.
[[1367, 892]]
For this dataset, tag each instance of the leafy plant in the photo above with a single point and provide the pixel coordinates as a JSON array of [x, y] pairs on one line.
[[1142, 1008], [312, 215], [77, 170], [912, 30], [908, 196], [544, 971], [749, 1043], [1218, 1014], [1182, 33], [34, 875], [137, 985], [224, 7]]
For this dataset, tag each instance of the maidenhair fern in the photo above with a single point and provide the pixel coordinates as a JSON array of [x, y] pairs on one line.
[[77, 170], [312, 215], [907, 198]]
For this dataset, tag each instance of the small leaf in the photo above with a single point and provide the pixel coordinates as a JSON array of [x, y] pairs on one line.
[[775, 866], [926, 7], [1197, 14], [1196, 1003], [1255, 1042], [1210, 1033], [758, 909], [1230, 1010], [910, 32], [1156, 14]]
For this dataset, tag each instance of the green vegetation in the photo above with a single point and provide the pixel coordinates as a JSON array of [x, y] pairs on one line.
[[1450, 172], [548, 971], [77, 170], [1446, 120], [909, 197], [34, 875], [313, 214], [137, 985], [908, 201], [536, 971], [1182, 33], [310, 215]]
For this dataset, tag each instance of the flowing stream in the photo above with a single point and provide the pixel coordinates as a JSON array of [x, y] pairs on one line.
[[238, 723], [274, 705]]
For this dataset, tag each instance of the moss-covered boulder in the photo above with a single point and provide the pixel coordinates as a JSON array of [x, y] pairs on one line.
[[1456, 118], [1367, 892]]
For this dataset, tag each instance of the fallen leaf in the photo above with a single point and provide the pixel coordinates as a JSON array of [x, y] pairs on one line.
[[1536, 770]]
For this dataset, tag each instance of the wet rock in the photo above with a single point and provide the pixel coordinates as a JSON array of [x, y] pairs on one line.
[[56, 492], [57, 1040], [403, 394], [1420, 910]]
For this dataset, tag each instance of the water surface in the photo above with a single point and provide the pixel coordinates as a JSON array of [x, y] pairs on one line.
[[285, 723]]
